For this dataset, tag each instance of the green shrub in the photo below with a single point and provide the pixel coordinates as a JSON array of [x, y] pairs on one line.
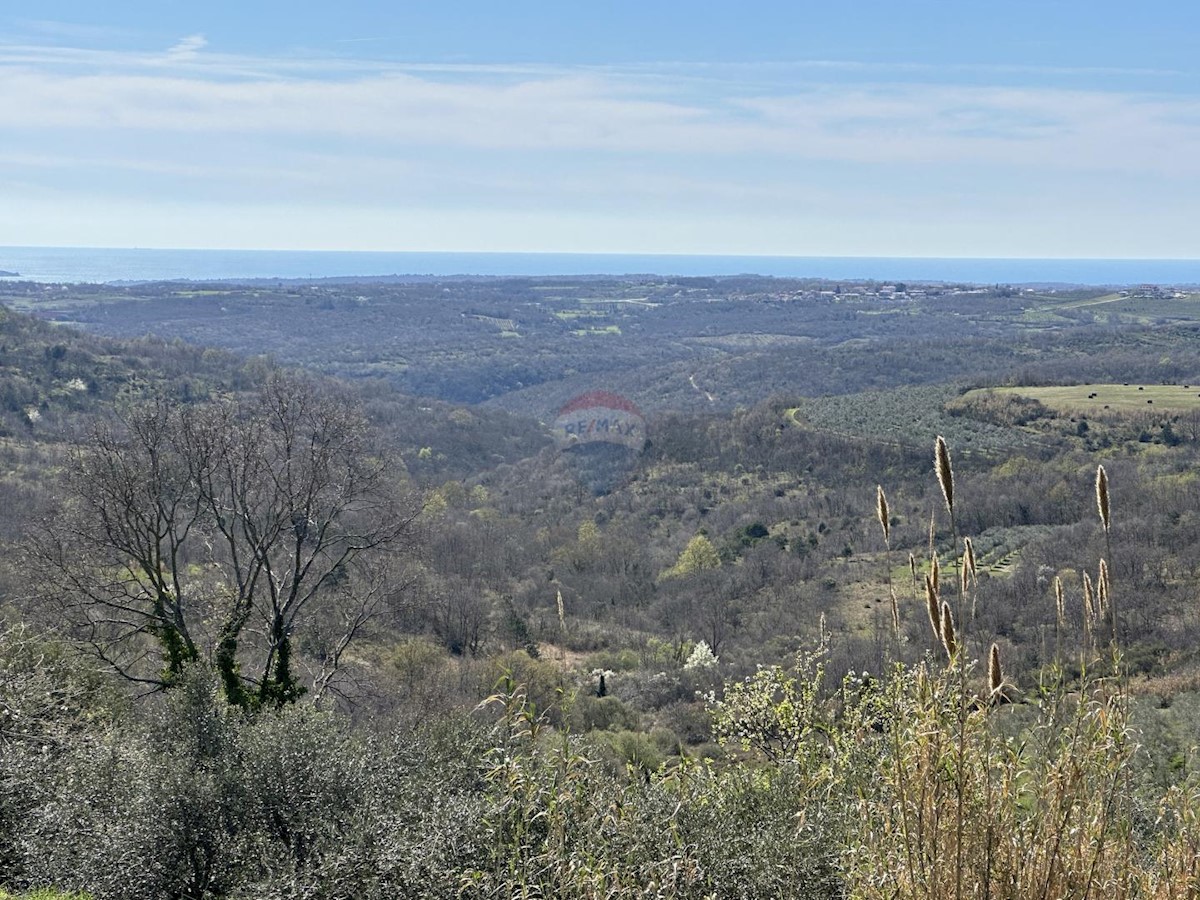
[[589, 713]]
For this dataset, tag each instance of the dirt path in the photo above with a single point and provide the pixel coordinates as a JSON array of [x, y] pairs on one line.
[[692, 381]]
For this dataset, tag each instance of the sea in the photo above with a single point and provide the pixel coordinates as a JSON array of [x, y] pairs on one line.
[[80, 265]]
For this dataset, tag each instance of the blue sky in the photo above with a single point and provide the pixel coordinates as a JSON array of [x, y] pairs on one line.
[[836, 129]]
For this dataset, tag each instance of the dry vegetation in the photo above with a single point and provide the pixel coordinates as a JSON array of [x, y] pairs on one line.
[[741, 669]]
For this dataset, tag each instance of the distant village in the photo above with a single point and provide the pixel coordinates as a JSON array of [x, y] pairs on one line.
[[899, 292]]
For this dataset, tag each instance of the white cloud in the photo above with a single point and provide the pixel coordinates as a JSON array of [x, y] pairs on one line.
[[188, 47], [663, 158]]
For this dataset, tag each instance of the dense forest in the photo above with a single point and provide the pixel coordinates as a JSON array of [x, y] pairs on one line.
[[301, 598]]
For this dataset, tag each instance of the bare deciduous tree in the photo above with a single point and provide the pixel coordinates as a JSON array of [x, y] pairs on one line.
[[218, 532]]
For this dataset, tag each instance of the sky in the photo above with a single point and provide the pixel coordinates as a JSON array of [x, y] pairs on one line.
[[957, 128]]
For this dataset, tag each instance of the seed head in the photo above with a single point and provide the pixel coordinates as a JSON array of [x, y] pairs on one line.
[[895, 612], [881, 512], [1060, 606], [562, 613], [945, 474], [935, 573], [1102, 496], [1102, 591], [995, 674], [968, 568], [1089, 599], [948, 632]]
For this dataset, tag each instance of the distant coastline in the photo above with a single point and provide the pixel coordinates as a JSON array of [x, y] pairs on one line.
[[103, 265]]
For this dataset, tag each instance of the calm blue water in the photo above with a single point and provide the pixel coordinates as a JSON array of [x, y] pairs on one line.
[[66, 264]]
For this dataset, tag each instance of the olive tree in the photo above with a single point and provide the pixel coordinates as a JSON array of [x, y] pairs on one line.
[[223, 532]]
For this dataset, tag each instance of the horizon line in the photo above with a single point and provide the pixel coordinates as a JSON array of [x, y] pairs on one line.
[[641, 253]]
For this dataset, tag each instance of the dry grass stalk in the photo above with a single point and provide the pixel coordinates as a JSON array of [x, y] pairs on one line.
[[948, 638], [935, 573], [923, 683], [1044, 822], [1102, 496], [1102, 591], [562, 614], [1089, 607], [1019, 820], [1110, 611], [933, 606], [881, 512], [945, 474], [912, 567], [970, 575], [967, 575], [895, 612]]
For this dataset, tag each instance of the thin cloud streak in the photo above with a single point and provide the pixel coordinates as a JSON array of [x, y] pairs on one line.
[[187, 48], [866, 123], [787, 71]]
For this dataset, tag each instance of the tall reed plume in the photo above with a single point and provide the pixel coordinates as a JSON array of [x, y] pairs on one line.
[[1102, 497], [945, 478], [969, 575], [1089, 608], [933, 606], [1102, 506], [881, 513], [948, 637], [945, 474], [885, 522], [995, 673]]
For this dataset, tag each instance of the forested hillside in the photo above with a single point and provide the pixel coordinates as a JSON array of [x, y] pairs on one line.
[[326, 612]]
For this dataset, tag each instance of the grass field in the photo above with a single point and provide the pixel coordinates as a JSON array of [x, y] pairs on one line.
[[1097, 398]]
